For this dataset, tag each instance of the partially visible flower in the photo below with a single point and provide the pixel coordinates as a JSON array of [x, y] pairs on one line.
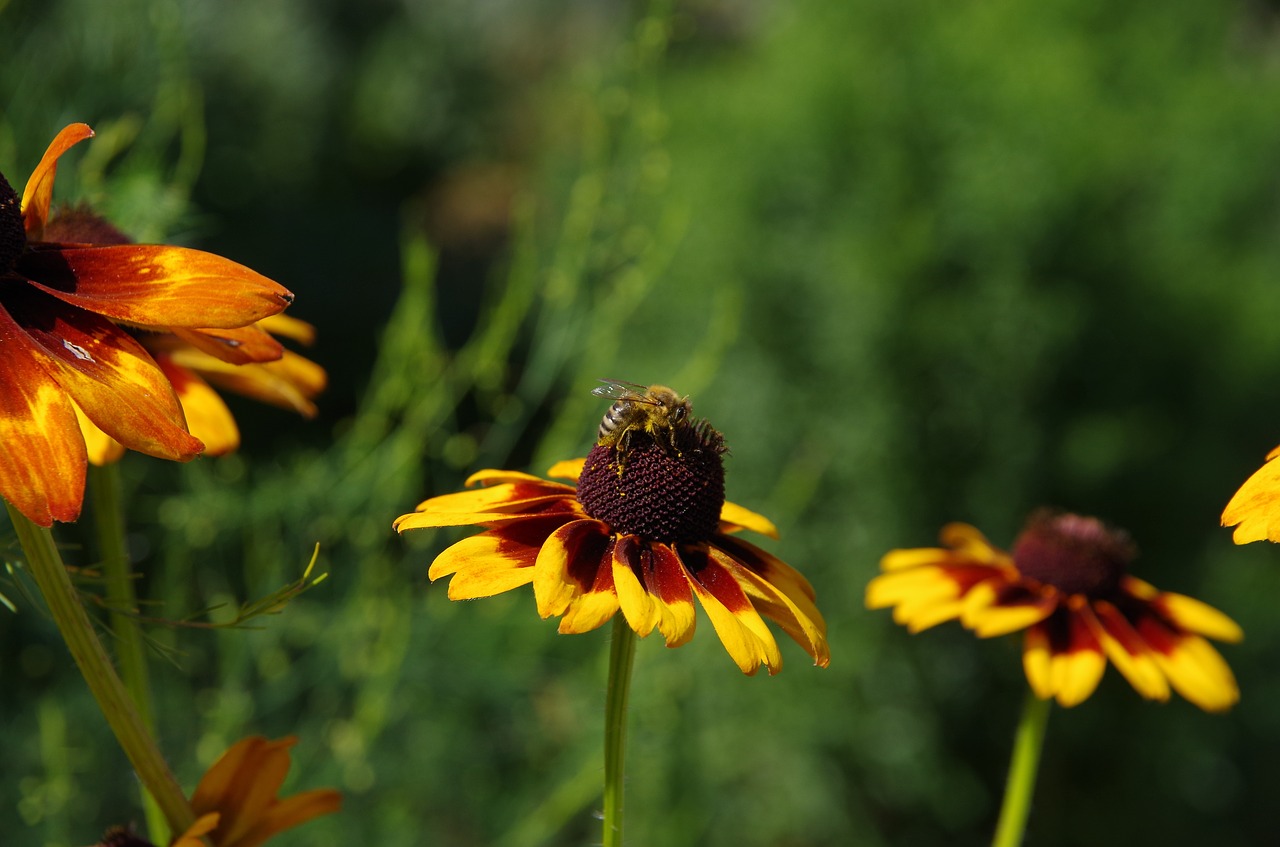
[[645, 537], [246, 360], [63, 348], [1254, 510], [237, 802], [1066, 585]]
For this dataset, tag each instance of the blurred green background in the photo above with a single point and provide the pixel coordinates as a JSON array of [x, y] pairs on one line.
[[919, 261]]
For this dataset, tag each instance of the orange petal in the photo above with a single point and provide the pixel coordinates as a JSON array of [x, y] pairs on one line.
[[155, 285], [288, 813], [38, 194], [42, 454], [108, 374], [236, 345], [289, 383]]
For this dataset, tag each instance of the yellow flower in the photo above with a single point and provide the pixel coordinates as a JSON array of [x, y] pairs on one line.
[[62, 352], [237, 802], [645, 537], [1255, 509], [1065, 584]]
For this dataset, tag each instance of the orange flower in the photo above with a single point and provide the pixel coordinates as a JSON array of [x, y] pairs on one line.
[[62, 352], [1066, 585], [645, 537], [237, 802]]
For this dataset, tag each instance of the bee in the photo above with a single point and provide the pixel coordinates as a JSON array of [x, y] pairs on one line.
[[654, 410]]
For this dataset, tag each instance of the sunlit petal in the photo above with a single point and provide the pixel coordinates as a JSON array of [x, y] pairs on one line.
[[38, 194]]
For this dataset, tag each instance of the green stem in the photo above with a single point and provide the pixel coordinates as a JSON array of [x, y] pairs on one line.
[[1028, 742], [622, 655], [50, 575], [122, 600]]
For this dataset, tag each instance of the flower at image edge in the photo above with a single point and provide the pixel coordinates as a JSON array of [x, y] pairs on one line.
[[585, 568], [1065, 585], [1254, 510], [62, 309], [237, 802]]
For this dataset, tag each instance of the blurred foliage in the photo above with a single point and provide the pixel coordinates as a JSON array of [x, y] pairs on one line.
[[919, 261]]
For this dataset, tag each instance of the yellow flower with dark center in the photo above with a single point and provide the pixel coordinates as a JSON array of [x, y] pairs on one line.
[[1066, 584], [1254, 510], [645, 537], [246, 360], [63, 347]]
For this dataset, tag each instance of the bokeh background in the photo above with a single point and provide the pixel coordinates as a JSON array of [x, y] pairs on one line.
[[919, 261]]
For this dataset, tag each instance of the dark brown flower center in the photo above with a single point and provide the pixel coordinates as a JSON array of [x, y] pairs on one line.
[[82, 225], [656, 491], [13, 237], [1076, 555]]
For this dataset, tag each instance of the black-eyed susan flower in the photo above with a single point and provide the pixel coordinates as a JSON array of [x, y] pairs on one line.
[[645, 536], [1254, 510], [245, 360], [63, 347], [1066, 584]]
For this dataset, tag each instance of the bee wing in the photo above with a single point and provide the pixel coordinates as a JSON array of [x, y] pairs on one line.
[[615, 390]]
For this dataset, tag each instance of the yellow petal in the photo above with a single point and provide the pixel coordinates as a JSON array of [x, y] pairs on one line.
[[569, 469], [734, 517], [1254, 510]]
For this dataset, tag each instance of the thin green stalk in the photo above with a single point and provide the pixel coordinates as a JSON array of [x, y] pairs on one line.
[[622, 654], [131, 655], [50, 575], [1027, 744]]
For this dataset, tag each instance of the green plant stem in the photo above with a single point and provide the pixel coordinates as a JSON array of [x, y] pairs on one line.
[[622, 653], [50, 575], [131, 655], [1023, 766]]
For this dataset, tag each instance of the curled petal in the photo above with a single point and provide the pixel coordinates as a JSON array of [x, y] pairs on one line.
[[38, 194]]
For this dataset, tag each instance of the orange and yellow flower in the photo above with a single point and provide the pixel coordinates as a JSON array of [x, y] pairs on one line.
[[645, 537], [1066, 585], [1254, 510], [237, 802], [65, 350]]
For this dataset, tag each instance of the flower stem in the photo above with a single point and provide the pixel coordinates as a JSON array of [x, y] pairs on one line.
[[122, 599], [622, 655], [50, 575], [1023, 766]]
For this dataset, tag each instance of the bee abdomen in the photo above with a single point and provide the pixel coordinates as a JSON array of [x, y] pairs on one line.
[[612, 419]]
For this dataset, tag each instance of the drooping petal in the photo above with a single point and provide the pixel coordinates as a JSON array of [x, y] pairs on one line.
[[1063, 659], [1254, 510], [109, 375], [155, 285], [794, 612], [287, 326], [38, 194], [668, 584], [734, 518], [101, 448], [1126, 650], [1193, 667], [42, 453], [241, 345], [290, 382], [208, 417], [628, 560], [569, 563], [741, 629], [288, 813], [593, 608]]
